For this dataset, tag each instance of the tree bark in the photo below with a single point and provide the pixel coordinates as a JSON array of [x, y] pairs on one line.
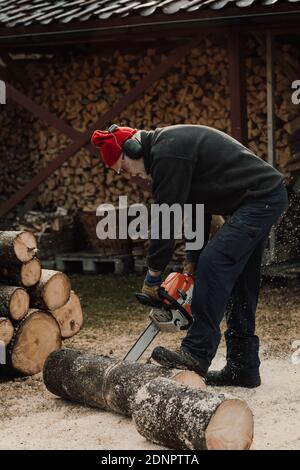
[[52, 291], [103, 382], [35, 337], [24, 274], [69, 316], [14, 302], [17, 246], [180, 417], [6, 330]]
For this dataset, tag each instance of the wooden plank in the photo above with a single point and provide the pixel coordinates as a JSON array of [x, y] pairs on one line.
[[173, 58], [237, 85]]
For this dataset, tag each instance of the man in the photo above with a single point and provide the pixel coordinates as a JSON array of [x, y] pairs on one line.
[[201, 165]]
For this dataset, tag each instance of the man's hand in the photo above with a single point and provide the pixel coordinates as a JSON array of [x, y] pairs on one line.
[[189, 267], [151, 285]]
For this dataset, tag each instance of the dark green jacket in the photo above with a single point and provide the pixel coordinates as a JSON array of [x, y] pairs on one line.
[[199, 164]]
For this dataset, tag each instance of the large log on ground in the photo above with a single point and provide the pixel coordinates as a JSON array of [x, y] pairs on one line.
[[23, 274], [14, 302], [69, 316], [52, 291], [180, 417], [35, 337], [17, 246], [104, 382], [6, 330]]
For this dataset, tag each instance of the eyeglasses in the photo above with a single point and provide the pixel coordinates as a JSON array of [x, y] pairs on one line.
[[120, 170]]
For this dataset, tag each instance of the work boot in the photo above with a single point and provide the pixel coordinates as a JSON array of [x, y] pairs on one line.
[[230, 376], [179, 359]]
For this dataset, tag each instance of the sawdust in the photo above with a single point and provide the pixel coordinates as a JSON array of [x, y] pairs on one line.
[[32, 418]]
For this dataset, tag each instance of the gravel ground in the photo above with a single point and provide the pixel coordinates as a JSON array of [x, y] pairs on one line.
[[32, 418]]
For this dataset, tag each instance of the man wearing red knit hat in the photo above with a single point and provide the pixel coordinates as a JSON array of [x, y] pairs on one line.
[[113, 155], [194, 164]]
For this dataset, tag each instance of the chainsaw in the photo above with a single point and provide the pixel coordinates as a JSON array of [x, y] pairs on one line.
[[170, 314]]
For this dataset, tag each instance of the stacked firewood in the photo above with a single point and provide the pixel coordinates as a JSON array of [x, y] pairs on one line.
[[37, 306], [285, 111], [83, 88]]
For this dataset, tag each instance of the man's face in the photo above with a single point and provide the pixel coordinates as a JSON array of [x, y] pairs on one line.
[[122, 167]]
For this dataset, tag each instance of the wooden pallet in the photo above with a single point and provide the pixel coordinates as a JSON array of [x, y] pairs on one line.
[[140, 265], [93, 263], [287, 270]]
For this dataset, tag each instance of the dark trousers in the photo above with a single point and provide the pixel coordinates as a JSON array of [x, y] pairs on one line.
[[228, 279]]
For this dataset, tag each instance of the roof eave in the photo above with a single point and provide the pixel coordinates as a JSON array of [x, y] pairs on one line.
[[255, 17]]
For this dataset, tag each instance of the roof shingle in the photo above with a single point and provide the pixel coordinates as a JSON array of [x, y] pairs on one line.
[[24, 12]]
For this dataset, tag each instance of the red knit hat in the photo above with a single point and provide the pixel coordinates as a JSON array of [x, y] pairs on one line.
[[110, 143]]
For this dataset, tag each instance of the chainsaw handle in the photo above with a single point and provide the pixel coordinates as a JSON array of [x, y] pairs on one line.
[[145, 299]]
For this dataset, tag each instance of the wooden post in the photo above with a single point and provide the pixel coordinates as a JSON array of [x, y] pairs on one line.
[[237, 85]]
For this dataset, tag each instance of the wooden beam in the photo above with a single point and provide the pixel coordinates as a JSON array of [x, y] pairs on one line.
[[237, 87], [173, 58], [27, 103], [160, 20]]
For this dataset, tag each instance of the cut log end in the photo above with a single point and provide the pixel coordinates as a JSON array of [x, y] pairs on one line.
[[19, 304], [190, 378], [6, 331], [35, 338], [25, 246], [31, 273], [57, 291], [183, 417], [52, 291], [231, 427], [69, 316]]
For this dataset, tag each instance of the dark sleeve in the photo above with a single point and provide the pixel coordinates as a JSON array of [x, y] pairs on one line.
[[171, 183], [193, 255]]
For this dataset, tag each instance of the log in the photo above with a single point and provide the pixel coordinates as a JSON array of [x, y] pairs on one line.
[[14, 302], [17, 246], [104, 382], [25, 274], [179, 417], [6, 330], [35, 337], [52, 291], [69, 316]]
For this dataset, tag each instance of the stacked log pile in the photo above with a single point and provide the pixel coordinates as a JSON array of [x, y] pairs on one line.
[[37, 307], [257, 102], [81, 89], [170, 407], [85, 87]]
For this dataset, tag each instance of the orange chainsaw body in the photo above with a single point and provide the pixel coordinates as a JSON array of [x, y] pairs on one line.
[[180, 287]]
